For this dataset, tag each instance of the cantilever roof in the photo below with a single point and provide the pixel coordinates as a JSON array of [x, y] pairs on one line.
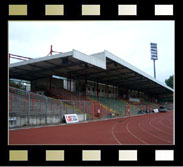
[[103, 67]]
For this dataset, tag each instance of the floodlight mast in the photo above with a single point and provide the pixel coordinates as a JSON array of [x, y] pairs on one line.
[[154, 56], [154, 69]]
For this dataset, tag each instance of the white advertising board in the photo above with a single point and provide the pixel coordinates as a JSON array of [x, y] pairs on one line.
[[156, 110], [134, 100], [71, 118]]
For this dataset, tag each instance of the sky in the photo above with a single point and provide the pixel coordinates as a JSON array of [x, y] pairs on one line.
[[129, 40]]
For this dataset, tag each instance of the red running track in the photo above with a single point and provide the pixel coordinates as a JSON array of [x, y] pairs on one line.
[[156, 129]]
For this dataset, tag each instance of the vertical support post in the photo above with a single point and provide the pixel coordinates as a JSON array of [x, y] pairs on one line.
[[51, 50], [125, 110], [154, 69], [66, 109], [73, 107], [107, 90], [92, 104], [130, 93], [40, 105], [61, 109], [70, 82], [99, 111], [128, 110], [46, 115], [9, 58], [30, 86], [67, 84], [84, 106], [28, 108], [116, 92], [113, 92], [122, 93], [97, 90], [11, 101], [50, 90], [85, 87], [85, 116], [126, 93]]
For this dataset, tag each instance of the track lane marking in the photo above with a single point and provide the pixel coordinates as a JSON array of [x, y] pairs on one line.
[[116, 139], [135, 135], [115, 128], [166, 118], [153, 134], [150, 123]]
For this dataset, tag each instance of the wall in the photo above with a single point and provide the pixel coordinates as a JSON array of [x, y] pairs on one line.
[[33, 120]]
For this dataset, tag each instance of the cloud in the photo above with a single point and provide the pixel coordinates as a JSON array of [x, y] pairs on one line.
[[129, 40]]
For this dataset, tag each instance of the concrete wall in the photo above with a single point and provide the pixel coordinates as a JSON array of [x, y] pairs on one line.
[[33, 120], [39, 120], [82, 117]]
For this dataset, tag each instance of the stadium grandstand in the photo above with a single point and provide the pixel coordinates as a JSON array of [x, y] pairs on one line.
[[95, 86]]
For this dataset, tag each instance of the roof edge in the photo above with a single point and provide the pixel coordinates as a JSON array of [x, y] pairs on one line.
[[91, 59], [133, 68], [65, 54]]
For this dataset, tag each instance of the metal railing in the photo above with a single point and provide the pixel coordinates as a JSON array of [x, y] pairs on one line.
[[31, 109], [28, 109]]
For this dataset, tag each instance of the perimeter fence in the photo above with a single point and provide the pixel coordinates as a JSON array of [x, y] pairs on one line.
[[31, 109], [28, 109]]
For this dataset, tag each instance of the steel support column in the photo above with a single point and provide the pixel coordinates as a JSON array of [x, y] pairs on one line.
[[107, 90], [97, 90], [51, 50], [85, 87], [127, 96], [70, 82], [50, 89], [113, 90]]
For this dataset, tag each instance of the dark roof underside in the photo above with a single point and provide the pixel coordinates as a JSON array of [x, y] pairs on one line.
[[114, 74]]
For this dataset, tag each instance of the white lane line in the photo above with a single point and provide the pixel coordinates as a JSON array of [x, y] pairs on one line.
[[153, 134], [114, 134], [135, 135], [150, 123], [166, 126]]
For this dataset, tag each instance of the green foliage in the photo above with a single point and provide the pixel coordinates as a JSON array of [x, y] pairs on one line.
[[18, 85], [169, 81]]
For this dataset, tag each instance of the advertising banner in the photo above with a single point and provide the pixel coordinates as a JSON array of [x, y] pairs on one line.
[[71, 118]]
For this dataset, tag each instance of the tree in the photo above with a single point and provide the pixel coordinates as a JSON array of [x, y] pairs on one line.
[[18, 84], [169, 81]]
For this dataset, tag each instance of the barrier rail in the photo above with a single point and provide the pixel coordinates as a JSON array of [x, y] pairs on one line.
[[33, 109]]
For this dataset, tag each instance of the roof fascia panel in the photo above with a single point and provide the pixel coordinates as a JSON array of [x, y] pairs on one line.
[[46, 58], [133, 68], [97, 59]]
